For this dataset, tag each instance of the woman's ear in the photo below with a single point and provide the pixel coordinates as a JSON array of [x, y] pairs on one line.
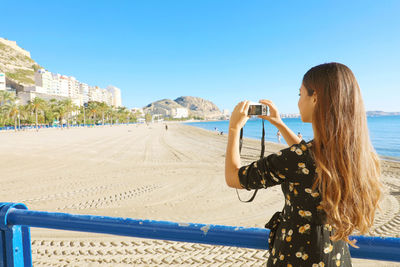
[[314, 98]]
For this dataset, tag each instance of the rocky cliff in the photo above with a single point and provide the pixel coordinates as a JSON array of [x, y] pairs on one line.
[[16, 63]]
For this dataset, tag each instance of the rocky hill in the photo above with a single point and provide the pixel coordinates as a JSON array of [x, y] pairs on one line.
[[164, 107], [197, 107], [16, 63]]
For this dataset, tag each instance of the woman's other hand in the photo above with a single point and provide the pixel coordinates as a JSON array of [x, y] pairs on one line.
[[239, 116], [274, 118]]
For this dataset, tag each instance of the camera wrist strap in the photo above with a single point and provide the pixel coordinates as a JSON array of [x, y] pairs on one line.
[[261, 156]]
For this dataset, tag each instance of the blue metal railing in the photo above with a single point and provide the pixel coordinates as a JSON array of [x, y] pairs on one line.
[[15, 220]]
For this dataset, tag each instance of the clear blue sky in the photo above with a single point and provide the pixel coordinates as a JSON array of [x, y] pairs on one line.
[[224, 51]]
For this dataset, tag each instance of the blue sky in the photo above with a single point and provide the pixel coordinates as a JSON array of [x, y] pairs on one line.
[[224, 51]]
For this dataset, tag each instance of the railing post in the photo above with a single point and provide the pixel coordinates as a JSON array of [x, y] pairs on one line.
[[15, 242]]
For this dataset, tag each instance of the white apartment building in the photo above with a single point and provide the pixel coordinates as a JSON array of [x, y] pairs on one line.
[[73, 87], [107, 97], [100, 95], [56, 84], [181, 113], [44, 79], [69, 87], [94, 94], [84, 91], [116, 94], [64, 85], [2, 81]]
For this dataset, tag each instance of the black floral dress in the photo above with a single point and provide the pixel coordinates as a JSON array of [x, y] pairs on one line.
[[299, 235]]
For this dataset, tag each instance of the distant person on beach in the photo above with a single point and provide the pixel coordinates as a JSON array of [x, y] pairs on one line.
[[278, 136], [166, 127], [299, 136], [331, 184]]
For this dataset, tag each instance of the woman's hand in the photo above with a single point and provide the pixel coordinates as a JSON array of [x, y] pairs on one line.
[[239, 116], [273, 116]]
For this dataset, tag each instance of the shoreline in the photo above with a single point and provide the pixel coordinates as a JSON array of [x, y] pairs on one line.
[[382, 157]]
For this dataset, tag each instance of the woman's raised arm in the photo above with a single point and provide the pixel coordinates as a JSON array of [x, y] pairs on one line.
[[290, 137], [238, 119]]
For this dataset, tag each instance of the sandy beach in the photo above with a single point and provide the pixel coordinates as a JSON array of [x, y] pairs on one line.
[[146, 172]]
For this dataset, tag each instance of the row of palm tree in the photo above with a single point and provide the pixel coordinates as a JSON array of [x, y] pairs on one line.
[[61, 112]]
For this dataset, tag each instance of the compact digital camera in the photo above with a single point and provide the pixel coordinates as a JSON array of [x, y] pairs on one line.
[[257, 109]]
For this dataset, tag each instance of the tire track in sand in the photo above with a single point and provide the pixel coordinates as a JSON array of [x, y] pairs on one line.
[[113, 199], [141, 252]]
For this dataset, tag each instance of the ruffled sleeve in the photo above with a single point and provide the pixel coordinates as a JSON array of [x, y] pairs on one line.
[[274, 169]]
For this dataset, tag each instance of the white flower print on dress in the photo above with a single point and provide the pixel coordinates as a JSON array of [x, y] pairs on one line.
[[328, 248], [304, 229], [304, 256], [289, 235], [315, 194], [299, 152]]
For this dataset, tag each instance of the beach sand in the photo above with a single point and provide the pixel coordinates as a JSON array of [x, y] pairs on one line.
[[146, 172]]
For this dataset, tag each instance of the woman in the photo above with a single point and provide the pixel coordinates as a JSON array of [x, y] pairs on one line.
[[331, 184]]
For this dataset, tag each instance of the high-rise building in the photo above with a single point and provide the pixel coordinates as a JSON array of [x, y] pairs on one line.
[[84, 91], [107, 97], [2, 81], [56, 84], [44, 79], [73, 87], [116, 95], [64, 85]]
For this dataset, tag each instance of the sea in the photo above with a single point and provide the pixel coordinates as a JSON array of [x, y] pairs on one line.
[[384, 132]]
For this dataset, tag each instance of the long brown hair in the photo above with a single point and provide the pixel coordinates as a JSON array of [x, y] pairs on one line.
[[347, 166]]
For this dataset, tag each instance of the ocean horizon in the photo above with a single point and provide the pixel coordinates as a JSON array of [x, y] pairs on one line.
[[384, 132]]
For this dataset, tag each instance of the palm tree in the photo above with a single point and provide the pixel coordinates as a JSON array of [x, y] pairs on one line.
[[69, 108], [12, 110], [6, 97], [110, 114], [26, 113], [60, 111], [93, 109], [37, 104], [50, 112], [103, 109], [123, 114]]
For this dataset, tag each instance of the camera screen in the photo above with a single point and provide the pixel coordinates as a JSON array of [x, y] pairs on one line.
[[255, 110]]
